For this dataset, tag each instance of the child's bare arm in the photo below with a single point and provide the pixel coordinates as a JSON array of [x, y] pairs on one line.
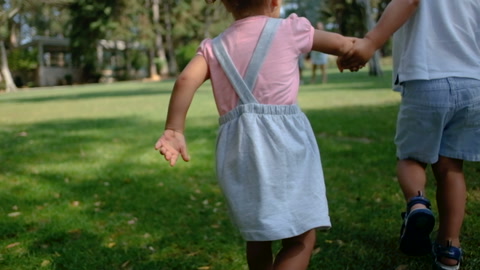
[[394, 16], [172, 143], [331, 43]]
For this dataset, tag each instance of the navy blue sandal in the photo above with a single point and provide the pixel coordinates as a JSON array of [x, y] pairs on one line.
[[416, 228], [449, 252]]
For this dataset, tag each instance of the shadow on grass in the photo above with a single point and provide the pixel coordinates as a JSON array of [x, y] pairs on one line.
[[92, 197], [137, 91], [350, 81]]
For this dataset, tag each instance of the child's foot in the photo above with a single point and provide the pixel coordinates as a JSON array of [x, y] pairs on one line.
[[446, 258], [417, 225]]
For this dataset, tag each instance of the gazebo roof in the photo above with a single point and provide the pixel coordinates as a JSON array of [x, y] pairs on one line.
[[49, 43]]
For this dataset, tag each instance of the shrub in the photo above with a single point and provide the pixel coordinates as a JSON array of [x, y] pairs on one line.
[[185, 54]]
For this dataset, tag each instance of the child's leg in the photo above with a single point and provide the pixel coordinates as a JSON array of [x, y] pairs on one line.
[[323, 68], [412, 179], [418, 222], [451, 200], [259, 255], [296, 252], [314, 75]]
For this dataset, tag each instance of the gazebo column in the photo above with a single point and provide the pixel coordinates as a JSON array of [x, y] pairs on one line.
[[40, 70], [40, 54]]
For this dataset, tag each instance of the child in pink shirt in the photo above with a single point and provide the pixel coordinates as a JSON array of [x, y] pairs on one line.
[[268, 162]]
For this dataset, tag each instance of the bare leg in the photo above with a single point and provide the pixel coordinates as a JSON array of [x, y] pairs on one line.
[[412, 179], [451, 200], [259, 255], [296, 252], [323, 69]]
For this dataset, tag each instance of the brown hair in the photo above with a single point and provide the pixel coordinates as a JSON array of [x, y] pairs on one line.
[[242, 8]]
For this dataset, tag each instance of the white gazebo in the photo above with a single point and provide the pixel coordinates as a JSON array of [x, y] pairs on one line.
[[54, 61]]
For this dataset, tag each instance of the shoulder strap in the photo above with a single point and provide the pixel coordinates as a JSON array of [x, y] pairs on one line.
[[261, 51], [244, 86], [230, 70]]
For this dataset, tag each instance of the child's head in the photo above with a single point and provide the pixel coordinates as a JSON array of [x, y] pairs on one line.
[[245, 8]]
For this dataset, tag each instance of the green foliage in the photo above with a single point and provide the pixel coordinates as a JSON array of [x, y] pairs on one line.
[[139, 59], [87, 21], [22, 60], [186, 53], [47, 19], [91, 21]]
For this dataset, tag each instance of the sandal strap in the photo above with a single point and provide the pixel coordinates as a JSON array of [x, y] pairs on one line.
[[449, 252], [416, 200]]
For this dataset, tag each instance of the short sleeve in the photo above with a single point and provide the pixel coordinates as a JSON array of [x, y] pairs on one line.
[[302, 32], [204, 48]]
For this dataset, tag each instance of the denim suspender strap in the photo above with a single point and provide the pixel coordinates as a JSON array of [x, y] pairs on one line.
[[245, 87], [261, 51]]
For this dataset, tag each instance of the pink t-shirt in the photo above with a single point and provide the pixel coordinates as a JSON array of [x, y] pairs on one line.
[[278, 79]]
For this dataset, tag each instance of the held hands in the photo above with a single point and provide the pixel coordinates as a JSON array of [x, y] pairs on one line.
[[171, 144], [358, 56]]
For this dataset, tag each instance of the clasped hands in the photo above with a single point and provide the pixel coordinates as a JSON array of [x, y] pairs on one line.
[[356, 58]]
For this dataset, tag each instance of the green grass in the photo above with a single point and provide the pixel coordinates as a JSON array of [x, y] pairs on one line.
[[82, 187]]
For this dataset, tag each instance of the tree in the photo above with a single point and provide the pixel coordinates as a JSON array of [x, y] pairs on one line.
[[6, 18], [172, 62], [20, 19], [305, 8], [6, 74], [46, 18], [355, 18], [158, 42], [91, 21], [134, 28], [375, 69]]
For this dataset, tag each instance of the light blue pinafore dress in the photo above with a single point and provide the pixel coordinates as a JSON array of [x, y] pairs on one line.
[[267, 159]]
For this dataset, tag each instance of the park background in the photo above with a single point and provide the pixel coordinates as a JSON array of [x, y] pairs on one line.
[[82, 187]]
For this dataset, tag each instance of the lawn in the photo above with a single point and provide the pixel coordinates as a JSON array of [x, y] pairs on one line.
[[83, 188]]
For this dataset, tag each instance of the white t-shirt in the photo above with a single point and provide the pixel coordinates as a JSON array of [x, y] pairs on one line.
[[442, 39]]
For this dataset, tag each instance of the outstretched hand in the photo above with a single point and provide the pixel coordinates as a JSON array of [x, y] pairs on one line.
[[358, 56], [171, 145]]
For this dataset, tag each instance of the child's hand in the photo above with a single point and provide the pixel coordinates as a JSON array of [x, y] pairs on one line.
[[171, 144], [362, 51]]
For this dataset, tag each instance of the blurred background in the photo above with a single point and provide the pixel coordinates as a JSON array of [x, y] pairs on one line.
[[64, 42]]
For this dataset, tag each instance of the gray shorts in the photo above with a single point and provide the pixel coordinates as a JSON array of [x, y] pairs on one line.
[[439, 117]]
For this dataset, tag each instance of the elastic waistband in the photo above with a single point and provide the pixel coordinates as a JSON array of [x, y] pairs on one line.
[[259, 109]]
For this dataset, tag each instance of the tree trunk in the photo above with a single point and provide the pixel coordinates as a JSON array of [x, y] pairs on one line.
[[375, 69], [153, 66], [5, 70], [172, 62], [128, 63], [159, 39]]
